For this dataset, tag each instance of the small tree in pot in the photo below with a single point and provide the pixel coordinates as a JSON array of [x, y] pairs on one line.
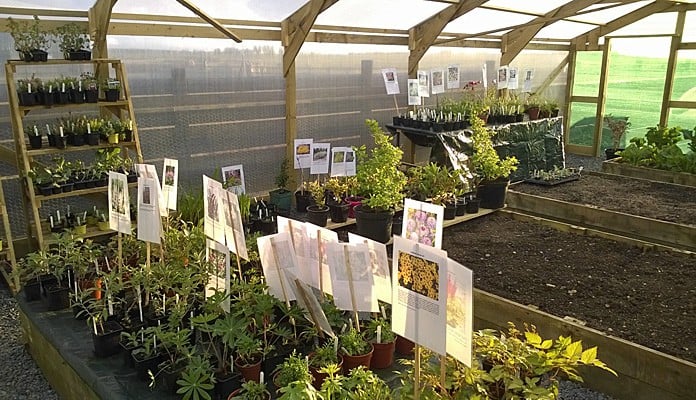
[[282, 197], [618, 127], [317, 213]]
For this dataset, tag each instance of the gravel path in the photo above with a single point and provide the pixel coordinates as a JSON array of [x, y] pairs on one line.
[[20, 378]]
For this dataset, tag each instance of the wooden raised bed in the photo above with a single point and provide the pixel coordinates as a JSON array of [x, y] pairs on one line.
[[671, 234], [618, 168]]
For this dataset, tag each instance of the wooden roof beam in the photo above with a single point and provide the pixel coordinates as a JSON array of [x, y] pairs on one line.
[[513, 42], [423, 35], [590, 40], [212, 21], [296, 27]]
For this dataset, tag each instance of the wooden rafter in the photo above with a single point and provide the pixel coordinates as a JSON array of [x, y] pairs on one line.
[[513, 42], [212, 21], [423, 35], [590, 40], [296, 27]]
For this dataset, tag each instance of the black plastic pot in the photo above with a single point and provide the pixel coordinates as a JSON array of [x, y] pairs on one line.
[[106, 343], [92, 139], [612, 153], [142, 365], [57, 297], [32, 290], [61, 142], [302, 201], [492, 193], [35, 142], [127, 351], [318, 215], [78, 139], [91, 96], [472, 206], [450, 210], [76, 96], [112, 94], [339, 212], [46, 98], [374, 225], [27, 99], [460, 206], [61, 97]]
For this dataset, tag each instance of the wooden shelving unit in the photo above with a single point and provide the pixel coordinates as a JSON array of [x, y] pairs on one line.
[[7, 251], [123, 108]]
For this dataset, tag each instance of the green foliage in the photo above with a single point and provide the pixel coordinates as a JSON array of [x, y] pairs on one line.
[[371, 332], [299, 390], [28, 35], [197, 380], [190, 206], [338, 187], [71, 37], [252, 390], [378, 176], [360, 384], [317, 191], [281, 180], [659, 150], [323, 356], [486, 162], [618, 127], [293, 369], [690, 135], [353, 343], [662, 136]]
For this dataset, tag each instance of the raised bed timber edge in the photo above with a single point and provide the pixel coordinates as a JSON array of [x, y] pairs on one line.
[[615, 166], [661, 232]]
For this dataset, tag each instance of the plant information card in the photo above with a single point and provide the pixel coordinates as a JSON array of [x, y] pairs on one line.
[[213, 226], [413, 95], [351, 277], [513, 80], [391, 82], [149, 171], [453, 77], [234, 229], [380, 266], [170, 182], [423, 222], [320, 158], [149, 222], [219, 256], [317, 267], [308, 301], [303, 154], [300, 242], [119, 203], [437, 77], [233, 178], [460, 311], [342, 161], [424, 83], [419, 300], [278, 256]]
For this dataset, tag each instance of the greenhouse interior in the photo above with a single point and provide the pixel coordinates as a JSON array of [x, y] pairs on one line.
[[354, 199]]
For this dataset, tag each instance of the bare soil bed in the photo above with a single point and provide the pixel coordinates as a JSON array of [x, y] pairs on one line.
[[655, 200], [644, 297]]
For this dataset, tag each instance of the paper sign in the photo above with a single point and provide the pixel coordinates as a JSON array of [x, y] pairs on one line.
[[149, 222], [300, 242], [315, 247], [460, 311], [233, 179], [528, 77], [308, 301], [219, 256], [119, 203], [423, 222], [149, 171], [351, 277], [419, 300], [342, 161], [277, 256], [484, 74], [213, 225], [170, 182], [453, 76], [413, 96], [320, 158], [502, 77], [303, 153], [234, 229], [437, 77], [380, 266], [424, 83], [391, 82], [513, 80]]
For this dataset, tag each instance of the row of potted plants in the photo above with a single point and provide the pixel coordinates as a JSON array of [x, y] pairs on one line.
[[66, 90], [32, 42], [80, 131], [77, 222], [659, 149], [65, 176]]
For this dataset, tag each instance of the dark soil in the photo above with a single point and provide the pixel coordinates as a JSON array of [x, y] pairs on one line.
[[644, 297], [655, 200]]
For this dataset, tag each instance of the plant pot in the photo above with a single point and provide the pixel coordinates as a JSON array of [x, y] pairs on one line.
[[80, 229], [350, 362], [113, 138], [46, 98], [61, 142], [397, 224], [91, 96], [450, 211], [127, 136], [533, 113], [77, 55], [32, 290], [492, 193], [127, 351], [67, 187], [383, 355], [374, 225], [35, 55], [78, 140], [472, 206], [112, 95], [302, 201], [226, 384], [281, 198], [319, 377], [611, 153], [76, 96], [404, 346], [249, 372], [57, 297], [143, 365], [168, 377], [339, 212], [27, 99], [317, 215], [237, 392], [460, 207], [35, 142], [103, 226], [353, 201], [45, 190], [106, 343]]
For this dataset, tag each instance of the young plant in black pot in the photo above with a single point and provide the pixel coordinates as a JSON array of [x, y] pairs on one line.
[[73, 42], [282, 197], [197, 379], [317, 213], [31, 42], [336, 189], [35, 137], [381, 182], [28, 91], [618, 127]]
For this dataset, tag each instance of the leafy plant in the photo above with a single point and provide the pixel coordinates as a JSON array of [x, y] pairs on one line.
[[28, 35], [486, 163], [387, 335], [317, 192], [378, 176], [71, 37], [338, 187], [323, 356], [298, 390], [353, 343], [196, 380], [252, 390], [283, 177], [293, 369], [618, 127]]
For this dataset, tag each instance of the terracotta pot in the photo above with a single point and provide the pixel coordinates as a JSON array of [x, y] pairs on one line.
[[319, 377], [251, 372], [383, 355], [350, 362], [404, 346], [236, 392]]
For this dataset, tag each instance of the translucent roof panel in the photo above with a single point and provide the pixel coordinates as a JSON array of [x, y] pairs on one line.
[[690, 27], [385, 14], [564, 30], [483, 20], [602, 16], [536, 7], [655, 24], [254, 10], [82, 5]]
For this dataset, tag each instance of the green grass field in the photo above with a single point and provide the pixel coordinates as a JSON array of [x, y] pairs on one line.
[[634, 89]]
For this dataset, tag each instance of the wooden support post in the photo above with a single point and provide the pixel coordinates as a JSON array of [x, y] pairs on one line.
[[570, 82], [671, 68], [601, 98]]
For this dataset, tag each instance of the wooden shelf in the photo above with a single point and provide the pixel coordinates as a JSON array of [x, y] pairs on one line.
[[92, 232], [27, 109], [65, 62], [54, 150], [80, 192]]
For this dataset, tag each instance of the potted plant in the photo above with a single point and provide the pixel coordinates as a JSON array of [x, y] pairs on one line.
[[356, 350], [146, 357], [196, 380], [111, 89], [321, 357], [251, 390], [492, 172], [318, 212], [30, 41], [42, 177], [379, 333], [533, 106], [282, 197], [249, 356], [381, 182], [91, 87], [27, 91], [294, 368], [35, 138], [618, 127], [338, 207], [73, 42]]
